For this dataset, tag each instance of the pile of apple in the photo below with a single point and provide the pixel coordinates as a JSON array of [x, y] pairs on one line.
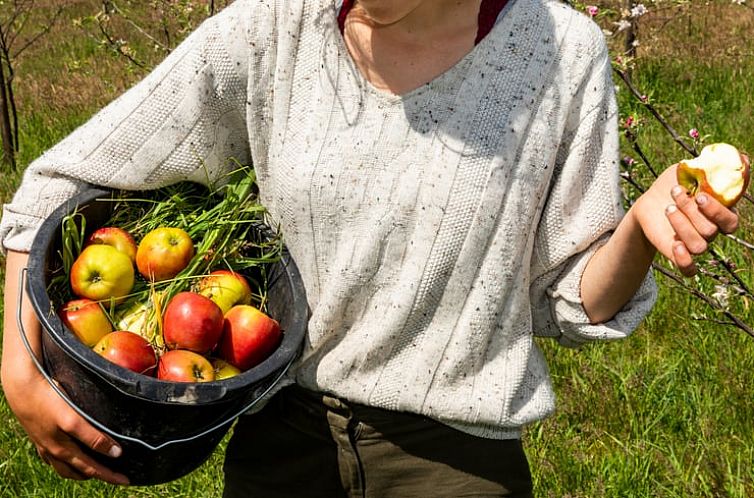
[[211, 332]]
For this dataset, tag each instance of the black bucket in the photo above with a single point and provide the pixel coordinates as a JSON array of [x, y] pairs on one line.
[[166, 429]]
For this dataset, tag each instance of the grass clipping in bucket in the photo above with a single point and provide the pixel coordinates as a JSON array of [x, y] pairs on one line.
[[173, 284]]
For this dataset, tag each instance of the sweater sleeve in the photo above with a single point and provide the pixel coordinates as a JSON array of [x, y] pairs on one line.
[[583, 208], [184, 121]]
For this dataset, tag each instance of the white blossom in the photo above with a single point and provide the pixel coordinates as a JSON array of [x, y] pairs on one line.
[[621, 25], [638, 10], [721, 295]]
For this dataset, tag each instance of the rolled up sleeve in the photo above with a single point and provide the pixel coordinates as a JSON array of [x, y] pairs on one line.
[[583, 208]]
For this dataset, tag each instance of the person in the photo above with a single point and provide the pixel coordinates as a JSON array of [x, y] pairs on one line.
[[445, 176]]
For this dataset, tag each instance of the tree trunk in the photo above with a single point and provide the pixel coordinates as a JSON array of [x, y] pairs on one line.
[[9, 152]]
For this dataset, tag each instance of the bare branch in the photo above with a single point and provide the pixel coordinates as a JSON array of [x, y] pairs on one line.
[[45, 29], [676, 137], [699, 294]]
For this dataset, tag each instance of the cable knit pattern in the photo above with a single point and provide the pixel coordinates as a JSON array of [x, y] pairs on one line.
[[437, 232]]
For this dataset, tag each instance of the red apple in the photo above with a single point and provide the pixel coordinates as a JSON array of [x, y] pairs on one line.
[[249, 336], [192, 321], [223, 369], [86, 319], [128, 350], [102, 272], [720, 171], [181, 365], [226, 288], [116, 237], [163, 253]]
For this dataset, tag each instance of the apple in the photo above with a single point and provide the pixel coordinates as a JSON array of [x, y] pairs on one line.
[[720, 170], [163, 253], [116, 237], [140, 318], [102, 272], [226, 288], [192, 321], [180, 365], [249, 336], [223, 369], [86, 319], [128, 350]]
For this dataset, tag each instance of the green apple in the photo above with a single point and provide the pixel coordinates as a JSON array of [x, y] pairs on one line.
[[226, 288], [139, 317], [223, 369], [101, 272]]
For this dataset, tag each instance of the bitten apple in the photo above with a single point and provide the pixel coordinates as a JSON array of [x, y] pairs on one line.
[[720, 170], [86, 319], [163, 253], [192, 321], [249, 336], [116, 237], [128, 350], [226, 288], [102, 272], [181, 365]]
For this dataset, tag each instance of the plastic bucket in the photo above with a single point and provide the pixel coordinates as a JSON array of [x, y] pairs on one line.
[[166, 429]]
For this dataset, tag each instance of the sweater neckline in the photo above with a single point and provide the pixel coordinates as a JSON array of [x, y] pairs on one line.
[[489, 11], [393, 98]]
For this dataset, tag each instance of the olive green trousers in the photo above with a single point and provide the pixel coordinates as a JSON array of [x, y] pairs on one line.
[[304, 444]]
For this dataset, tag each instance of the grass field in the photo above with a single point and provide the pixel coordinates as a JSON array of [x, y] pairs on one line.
[[666, 413]]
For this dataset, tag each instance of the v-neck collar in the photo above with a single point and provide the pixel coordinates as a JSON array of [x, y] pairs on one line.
[[389, 96]]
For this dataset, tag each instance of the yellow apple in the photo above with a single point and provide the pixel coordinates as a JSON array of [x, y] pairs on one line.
[[226, 288], [163, 253], [223, 369], [101, 272], [86, 319]]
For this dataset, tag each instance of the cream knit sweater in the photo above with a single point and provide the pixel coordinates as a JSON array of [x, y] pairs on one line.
[[437, 232]]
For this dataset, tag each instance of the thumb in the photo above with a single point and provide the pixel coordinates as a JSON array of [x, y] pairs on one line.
[[98, 441], [683, 259], [78, 428]]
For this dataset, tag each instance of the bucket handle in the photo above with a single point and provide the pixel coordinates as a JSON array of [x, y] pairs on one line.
[[98, 425]]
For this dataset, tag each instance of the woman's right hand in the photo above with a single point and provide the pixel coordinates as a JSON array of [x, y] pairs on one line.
[[56, 430]]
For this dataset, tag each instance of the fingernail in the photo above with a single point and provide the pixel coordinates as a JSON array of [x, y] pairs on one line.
[[115, 451], [672, 208], [677, 190], [701, 199], [122, 479]]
